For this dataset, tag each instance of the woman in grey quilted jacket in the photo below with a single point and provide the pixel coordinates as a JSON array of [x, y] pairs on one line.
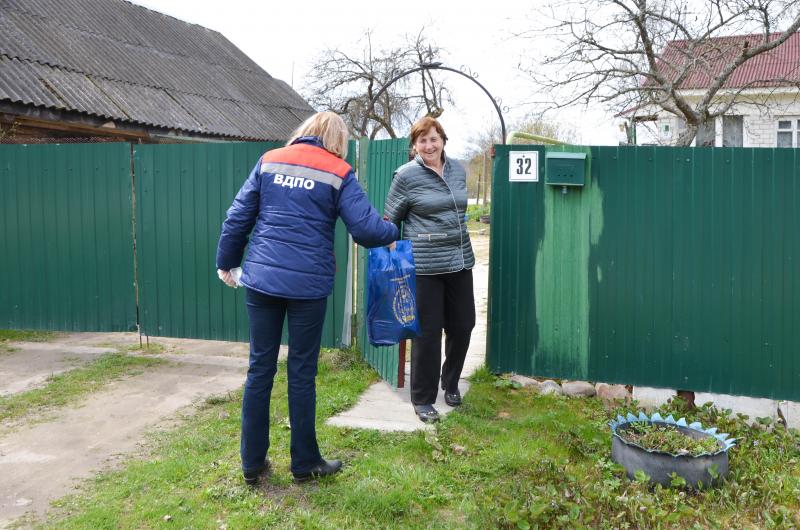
[[429, 197]]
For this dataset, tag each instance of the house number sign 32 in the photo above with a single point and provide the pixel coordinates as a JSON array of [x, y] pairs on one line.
[[523, 166]]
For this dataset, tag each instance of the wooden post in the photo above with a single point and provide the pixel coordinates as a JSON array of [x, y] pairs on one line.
[[401, 365]]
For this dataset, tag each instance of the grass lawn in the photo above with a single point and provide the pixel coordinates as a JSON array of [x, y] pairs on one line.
[[506, 459], [26, 335]]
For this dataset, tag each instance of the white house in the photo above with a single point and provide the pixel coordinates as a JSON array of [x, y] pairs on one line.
[[766, 112]]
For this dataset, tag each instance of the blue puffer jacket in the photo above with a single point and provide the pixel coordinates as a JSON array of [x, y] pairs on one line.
[[291, 201]]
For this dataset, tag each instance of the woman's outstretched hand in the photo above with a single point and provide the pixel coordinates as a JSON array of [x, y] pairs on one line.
[[227, 278]]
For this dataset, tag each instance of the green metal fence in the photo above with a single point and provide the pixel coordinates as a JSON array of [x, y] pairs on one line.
[[671, 267], [68, 247], [182, 193], [66, 242], [378, 160]]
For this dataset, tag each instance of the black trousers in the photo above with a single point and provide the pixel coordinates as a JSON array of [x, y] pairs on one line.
[[444, 301]]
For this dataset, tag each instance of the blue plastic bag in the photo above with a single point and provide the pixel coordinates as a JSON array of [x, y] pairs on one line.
[[391, 295]]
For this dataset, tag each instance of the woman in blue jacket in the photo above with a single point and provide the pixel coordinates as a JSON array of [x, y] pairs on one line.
[[288, 208]]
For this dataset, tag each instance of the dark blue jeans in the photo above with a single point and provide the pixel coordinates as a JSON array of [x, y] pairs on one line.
[[306, 317]]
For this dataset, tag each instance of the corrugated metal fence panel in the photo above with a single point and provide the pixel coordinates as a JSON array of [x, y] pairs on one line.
[[682, 261], [517, 220], [698, 284], [562, 275], [66, 239], [378, 159], [183, 192]]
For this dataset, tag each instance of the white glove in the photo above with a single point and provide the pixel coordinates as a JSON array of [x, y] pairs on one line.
[[230, 278]]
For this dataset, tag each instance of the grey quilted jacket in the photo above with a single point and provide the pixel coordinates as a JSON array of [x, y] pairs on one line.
[[432, 210]]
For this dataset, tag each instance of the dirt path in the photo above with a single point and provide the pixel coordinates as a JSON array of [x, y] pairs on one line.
[[29, 364], [43, 462]]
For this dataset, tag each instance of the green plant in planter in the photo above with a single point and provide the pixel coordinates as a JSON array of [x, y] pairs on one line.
[[669, 452], [667, 438]]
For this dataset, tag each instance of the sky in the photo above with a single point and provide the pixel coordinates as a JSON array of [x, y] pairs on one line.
[[284, 38]]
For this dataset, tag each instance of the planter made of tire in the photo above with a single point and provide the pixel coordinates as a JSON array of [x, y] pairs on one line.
[[485, 219], [659, 465]]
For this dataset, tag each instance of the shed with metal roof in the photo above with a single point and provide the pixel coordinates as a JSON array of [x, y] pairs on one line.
[[72, 70]]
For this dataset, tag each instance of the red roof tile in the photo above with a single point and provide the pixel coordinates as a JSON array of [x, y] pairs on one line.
[[777, 67]]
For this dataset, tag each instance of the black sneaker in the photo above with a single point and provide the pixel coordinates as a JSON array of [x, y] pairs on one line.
[[453, 398], [251, 477], [323, 469]]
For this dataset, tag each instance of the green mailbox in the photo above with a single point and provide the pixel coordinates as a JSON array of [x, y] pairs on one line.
[[565, 169]]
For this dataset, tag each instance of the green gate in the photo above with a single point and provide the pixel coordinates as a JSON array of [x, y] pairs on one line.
[[671, 267], [66, 238], [378, 160]]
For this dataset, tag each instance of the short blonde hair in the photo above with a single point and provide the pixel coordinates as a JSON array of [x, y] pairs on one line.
[[330, 128]]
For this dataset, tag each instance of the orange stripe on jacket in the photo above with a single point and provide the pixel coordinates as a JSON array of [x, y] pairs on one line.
[[308, 156]]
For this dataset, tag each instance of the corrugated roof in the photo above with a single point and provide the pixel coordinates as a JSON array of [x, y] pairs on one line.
[[114, 59], [777, 67]]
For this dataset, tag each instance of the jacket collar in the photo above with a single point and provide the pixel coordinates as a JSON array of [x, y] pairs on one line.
[[418, 159], [311, 140]]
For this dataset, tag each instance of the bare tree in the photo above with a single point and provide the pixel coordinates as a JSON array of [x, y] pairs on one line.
[[346, 82], [640, 56]]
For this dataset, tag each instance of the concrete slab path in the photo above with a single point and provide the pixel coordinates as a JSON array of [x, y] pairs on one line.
[[389, 409]]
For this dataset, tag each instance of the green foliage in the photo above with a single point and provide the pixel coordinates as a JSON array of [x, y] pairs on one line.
[[151, 348], [667, 438], [677, 481], [502, 382], [475, 211], [26, 335], [507, 458]]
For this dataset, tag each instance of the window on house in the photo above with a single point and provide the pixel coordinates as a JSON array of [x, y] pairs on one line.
[[732, 131], [706, 134], [788, 132]]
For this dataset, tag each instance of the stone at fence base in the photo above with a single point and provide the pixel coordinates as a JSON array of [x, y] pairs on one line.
[[550, 387], [791, 413], [578, 389], [649, 397], [752, 407], [525, 381], [610, 393]]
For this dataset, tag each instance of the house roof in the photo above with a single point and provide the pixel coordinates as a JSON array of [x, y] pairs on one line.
[[113, 59], [777, 67]]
